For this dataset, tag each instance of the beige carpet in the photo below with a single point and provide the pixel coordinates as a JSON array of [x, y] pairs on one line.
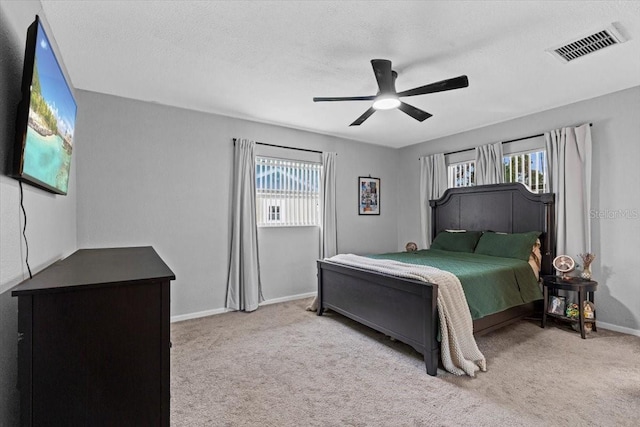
[[284, 366]]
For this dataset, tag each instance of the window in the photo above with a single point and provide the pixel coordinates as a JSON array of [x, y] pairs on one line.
[[528, 168], [287, 192], [274, 214], [461, 174]]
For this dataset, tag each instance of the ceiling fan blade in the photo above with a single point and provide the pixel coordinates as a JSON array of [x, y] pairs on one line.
[[384, 75], [345, 98], [414, 112], [363, 117], [449, 84]]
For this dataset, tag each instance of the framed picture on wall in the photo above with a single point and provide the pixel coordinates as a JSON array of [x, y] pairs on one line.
[[368, 195]]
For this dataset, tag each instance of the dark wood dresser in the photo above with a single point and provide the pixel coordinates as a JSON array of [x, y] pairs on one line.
[[93, 332]]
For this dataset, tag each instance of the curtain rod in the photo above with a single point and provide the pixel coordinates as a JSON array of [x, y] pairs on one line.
[[503, 142], [283, 146]]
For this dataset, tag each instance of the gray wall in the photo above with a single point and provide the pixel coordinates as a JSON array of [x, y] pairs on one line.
[[155, 175], [51, 219], [616, 180]]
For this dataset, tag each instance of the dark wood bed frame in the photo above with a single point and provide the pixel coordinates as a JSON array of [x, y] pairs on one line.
[[406, 309]]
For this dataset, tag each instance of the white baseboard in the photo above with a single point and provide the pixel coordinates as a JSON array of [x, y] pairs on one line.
[[289, 298], [196, 315], [617, 328]]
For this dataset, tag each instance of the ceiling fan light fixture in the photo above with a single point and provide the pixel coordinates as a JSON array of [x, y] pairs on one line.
[[386, 102]]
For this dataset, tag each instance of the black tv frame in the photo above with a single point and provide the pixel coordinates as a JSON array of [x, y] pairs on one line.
[[22, 118]]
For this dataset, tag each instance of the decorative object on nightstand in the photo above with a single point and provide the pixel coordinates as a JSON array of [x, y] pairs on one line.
[[411, 247], [588, 310], [564, 264], [587, 259], [587, 327], [556, 305], [572, 311], [585, 321]]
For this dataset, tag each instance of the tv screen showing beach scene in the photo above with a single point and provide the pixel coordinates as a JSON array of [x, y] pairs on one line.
[[48, 141]]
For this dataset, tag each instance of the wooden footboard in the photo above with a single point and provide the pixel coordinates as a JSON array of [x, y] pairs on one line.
[[400, 308]]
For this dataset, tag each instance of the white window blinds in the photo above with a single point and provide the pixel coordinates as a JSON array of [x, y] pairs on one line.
[[287, 192], [529, 168], [461, 174]]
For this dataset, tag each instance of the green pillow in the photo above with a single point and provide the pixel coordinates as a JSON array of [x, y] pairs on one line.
[[459, 241], [516, 245]]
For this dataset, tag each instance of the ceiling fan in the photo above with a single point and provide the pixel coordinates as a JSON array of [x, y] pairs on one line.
[[387, 97]]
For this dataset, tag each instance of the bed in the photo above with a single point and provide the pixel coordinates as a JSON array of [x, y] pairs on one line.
[[406, 309]]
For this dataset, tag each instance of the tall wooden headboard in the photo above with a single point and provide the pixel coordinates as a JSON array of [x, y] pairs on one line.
[[508, 208]]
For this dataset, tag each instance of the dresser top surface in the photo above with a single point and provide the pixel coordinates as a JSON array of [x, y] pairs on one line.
[[91, 267]]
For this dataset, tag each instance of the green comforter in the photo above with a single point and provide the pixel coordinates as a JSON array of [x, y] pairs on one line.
[[491, 284]]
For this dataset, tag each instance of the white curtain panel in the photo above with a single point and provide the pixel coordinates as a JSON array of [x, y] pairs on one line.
[[489, 166], [244, 290], [433, 182], [569, 177], [329, 232]]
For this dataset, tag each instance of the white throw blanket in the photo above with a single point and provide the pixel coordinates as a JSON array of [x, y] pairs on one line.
[[458, 349]]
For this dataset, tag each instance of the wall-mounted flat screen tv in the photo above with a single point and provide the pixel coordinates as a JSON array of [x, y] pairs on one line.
[[46, 116]]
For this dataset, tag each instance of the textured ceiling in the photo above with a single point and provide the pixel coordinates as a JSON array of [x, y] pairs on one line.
[[265, 61]]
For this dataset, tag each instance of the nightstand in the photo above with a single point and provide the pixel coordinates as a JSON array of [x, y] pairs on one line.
[[585, 289]]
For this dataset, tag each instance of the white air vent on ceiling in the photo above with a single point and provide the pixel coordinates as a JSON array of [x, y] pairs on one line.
[[585, 45]]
